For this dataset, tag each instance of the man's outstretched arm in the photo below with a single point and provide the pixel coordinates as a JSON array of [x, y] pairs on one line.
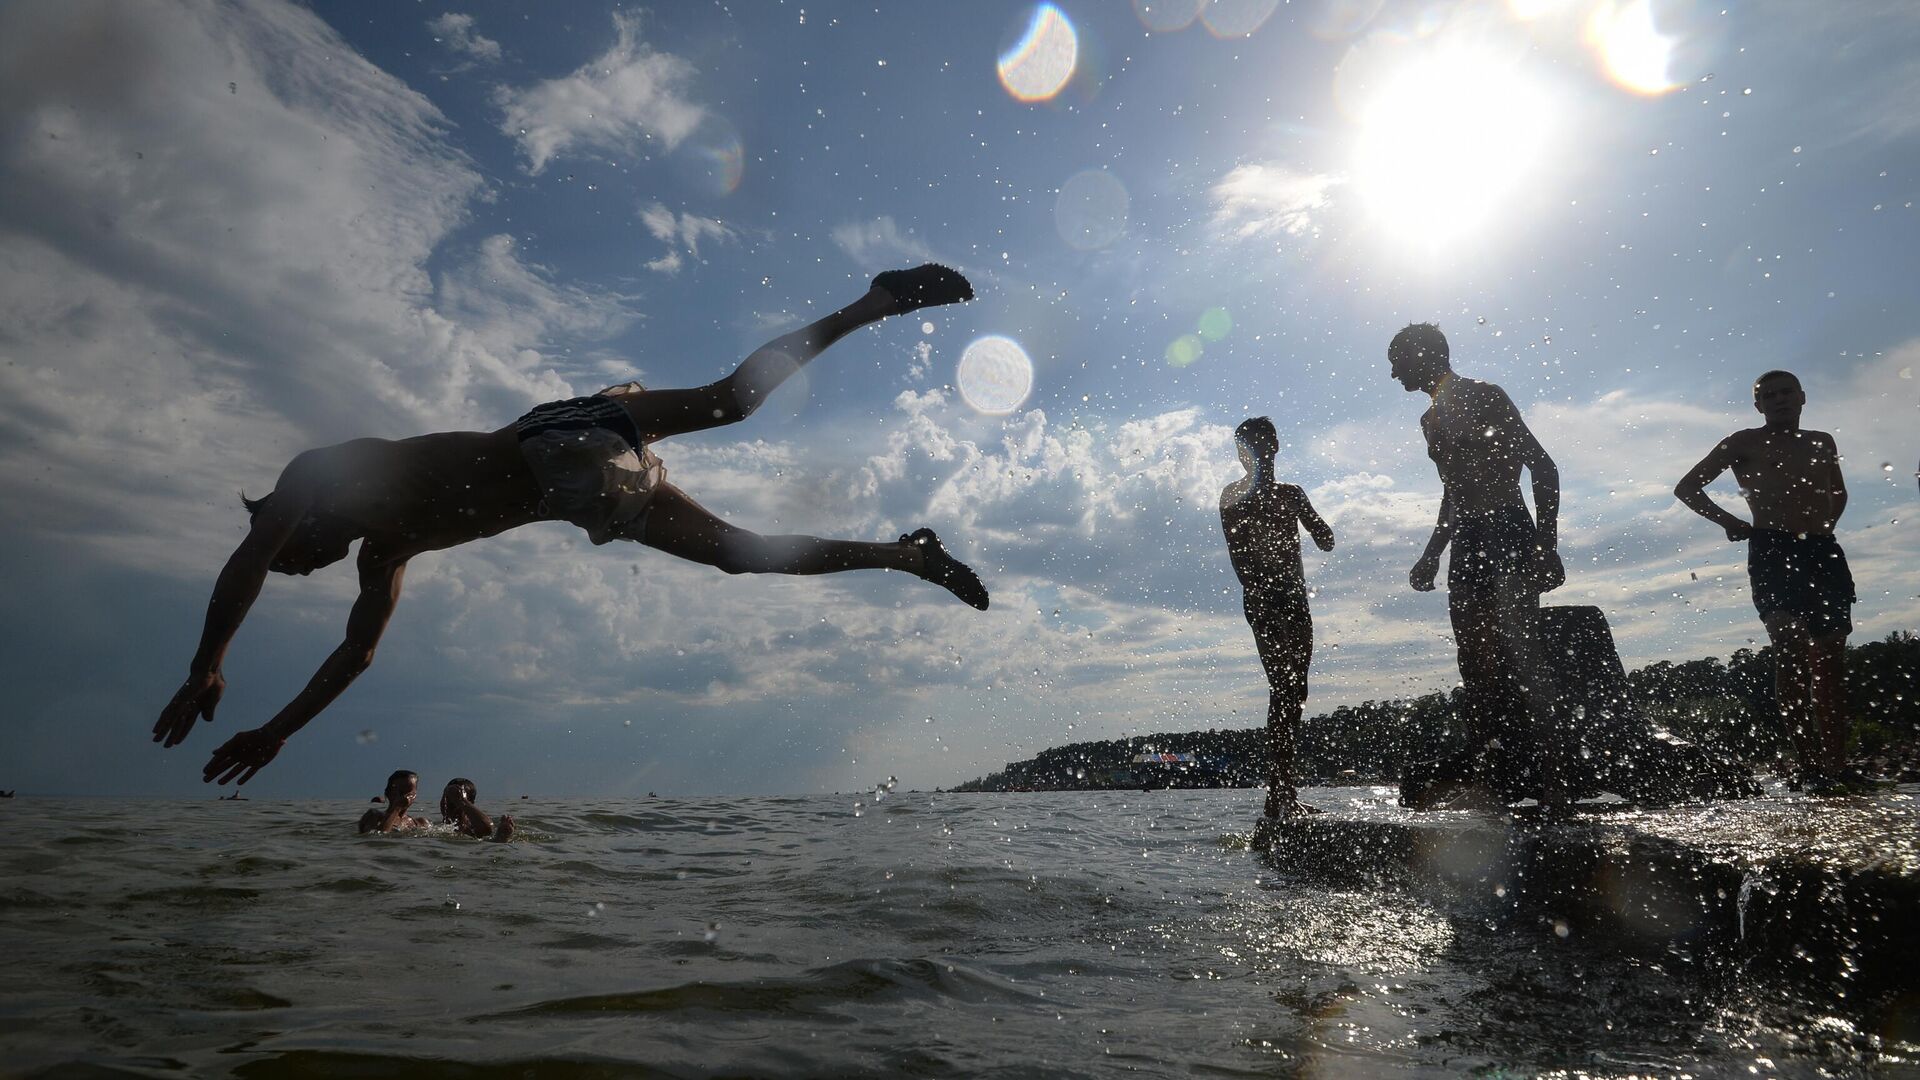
[[233, 594], [248, 752], [1692, 491]]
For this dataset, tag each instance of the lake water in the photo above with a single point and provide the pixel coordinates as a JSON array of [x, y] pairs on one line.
[[1054, 934]]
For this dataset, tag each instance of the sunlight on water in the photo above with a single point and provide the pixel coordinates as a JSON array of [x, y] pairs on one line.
[[995, 374], [1091, 209], [1631, 48], [1041, 62]]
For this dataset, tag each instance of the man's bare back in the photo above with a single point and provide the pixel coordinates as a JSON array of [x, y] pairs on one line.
[[426, 493]]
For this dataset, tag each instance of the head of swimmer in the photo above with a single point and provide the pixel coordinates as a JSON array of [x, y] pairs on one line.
[[402, 788], [1778, 397], [320, 541], [459, 791], [1257, 442], [1418, 358]]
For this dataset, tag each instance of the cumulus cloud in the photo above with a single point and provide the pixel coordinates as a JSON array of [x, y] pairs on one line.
[[880, 243], [616, 103], [1270, 201], [228, 219], [681, 233], [455, 31]]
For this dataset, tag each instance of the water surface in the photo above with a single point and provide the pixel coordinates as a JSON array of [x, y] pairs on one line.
[[1054, 934]]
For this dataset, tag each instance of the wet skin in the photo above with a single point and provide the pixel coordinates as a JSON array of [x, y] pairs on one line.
[[394, 818]]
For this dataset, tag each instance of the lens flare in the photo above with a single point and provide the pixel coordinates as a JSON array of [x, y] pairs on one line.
[[1185, 350], [1215, 324], [1042, 61], [1166, 16], [1236, 18], [995, 375], [712, 159], [1091, 209], [1446, 141], [1634, 52]]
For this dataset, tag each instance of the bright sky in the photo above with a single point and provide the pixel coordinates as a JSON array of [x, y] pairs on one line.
[[238, 230]]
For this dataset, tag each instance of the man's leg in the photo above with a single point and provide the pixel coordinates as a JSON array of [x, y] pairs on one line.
[[1493, 626], [1827, 687], [1787, 632], [661, 413], [1286, 649], [677, 525]]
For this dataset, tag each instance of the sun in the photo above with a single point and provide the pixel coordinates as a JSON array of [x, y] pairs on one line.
[[1446, 143]]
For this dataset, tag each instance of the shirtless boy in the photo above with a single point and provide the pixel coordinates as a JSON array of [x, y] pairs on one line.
[[588, 461], [1502, 559], [1801, 585], [402, 788], [1262, 519], [457, 809]]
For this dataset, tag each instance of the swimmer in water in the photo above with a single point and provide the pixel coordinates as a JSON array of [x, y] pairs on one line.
[[457, 808], [588, 461], [402, 788]]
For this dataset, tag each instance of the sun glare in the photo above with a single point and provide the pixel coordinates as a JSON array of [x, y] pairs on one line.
[[1446, 143], [1633, 50]]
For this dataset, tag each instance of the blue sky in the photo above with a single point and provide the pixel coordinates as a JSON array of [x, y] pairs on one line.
[[238, 230]]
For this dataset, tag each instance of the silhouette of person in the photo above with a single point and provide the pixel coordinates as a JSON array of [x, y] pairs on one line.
[[457, 808], [1801, 584], [402, 788], [1261, 518], [588, 461], [1502, 559]]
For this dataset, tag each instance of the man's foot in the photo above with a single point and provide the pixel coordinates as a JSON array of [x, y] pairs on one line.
[[927, 285], [943, 569]]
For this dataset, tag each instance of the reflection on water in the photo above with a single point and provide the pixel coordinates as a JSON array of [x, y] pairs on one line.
[[935, 935]]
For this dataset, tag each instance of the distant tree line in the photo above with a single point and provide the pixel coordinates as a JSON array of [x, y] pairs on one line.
[[1727, 706]]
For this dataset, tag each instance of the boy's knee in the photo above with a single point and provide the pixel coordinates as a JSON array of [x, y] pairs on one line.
[[741, 552]]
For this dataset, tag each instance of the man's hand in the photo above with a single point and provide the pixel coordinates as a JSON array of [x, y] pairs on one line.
[[242, 756], [198, 696], [1423, 572], [1548, 571], [1323, 540], [1739, 532]]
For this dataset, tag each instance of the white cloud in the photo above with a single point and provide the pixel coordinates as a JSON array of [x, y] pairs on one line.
[[230, 223], [679, 231], [455, 30], [617, 103], [879, 244], [1268, 201]]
